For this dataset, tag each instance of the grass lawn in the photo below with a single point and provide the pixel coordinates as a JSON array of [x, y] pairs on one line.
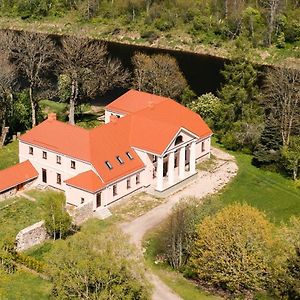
[[270, 192], [9, 155], [24, 285], [22, 212]]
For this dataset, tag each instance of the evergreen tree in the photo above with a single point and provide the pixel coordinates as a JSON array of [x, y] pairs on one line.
[[268, 150]]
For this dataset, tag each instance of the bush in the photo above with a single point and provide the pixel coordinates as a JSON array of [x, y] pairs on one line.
[[30, 262], [179, 231], [237, 250], [96, 265]]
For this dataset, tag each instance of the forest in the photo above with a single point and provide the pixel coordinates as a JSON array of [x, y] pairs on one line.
[[263, 23]]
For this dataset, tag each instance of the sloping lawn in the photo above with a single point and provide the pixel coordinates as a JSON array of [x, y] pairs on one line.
[[19, 215], [24, 285], [270, 192], [9, 155]]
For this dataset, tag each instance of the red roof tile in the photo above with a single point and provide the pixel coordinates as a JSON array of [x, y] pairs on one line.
[[133, 101], [17, 174], [87, 181]]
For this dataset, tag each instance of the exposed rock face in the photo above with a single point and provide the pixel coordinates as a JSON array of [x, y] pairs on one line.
[[31, 236]]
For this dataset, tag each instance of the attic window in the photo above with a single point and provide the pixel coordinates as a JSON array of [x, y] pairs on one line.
[[129, 155], [120, 160], [108, 164]]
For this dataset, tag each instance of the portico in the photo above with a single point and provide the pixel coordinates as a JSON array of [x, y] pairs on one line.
[[175, 165]]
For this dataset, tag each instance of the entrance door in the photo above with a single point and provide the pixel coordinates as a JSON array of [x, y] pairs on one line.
[[98, 202], [44, 175]]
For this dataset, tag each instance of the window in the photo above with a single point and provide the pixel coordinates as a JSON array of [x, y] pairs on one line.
[[82, 200], [129, 155], [128, 183], [44, 175], [58, 159], [58, 178], [115, 191], [44, 155], [120, 160], [31, 150], [137, 179], [154, 159], [72, 164], [178, 140], [108, 164], [203, 146]]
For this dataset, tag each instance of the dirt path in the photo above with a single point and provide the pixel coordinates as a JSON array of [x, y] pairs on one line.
[[207, 182]]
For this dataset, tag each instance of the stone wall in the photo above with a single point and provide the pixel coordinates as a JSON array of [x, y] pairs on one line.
[[81, 213], [31, 236]]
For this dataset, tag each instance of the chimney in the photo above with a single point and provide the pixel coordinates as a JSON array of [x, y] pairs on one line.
[[52, 116], [113, 119]]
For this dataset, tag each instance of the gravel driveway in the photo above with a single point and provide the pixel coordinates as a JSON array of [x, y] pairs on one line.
[[207, 182]]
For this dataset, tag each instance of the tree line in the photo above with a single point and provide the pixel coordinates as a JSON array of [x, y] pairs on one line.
[[263, 22], [233, 250], [260, 119]]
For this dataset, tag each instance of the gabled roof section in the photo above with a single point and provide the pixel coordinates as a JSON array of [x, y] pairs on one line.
[[17, 174], [60, 137], [88, 181], [133, 101], [153, 128]]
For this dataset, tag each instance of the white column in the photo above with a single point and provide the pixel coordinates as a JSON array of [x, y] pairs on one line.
[[182, 162], [171, 168], [160, 174], [193, 157]]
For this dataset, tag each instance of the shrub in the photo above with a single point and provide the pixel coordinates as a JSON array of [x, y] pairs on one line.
[[237, 250], [96, 265]]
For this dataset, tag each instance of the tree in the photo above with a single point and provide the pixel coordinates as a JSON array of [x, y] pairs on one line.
[[178, 235], [291, 156], [34, 55], [90, 70], [282, 94], [291, 233], [272, 7], [158, 74], [7, 82], [238, 250], [96, 265], [57, 221], [241, 114], [208, 106]]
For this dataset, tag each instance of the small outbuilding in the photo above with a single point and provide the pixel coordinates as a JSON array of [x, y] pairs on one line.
[[16, 178]]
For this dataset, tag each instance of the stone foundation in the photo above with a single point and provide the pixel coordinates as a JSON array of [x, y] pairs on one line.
[[81, 213], [31, 236]]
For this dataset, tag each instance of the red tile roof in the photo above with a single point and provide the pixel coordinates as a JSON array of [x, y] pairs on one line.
[[147, 127], [17, 174], [60, 137], [87, 181], [133, 101]]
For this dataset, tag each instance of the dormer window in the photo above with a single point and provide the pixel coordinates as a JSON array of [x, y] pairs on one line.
[[120, 160], [73, 166], [108, 164], [129, 155]]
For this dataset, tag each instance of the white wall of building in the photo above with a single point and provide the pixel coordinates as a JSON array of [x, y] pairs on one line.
[[201, 145], [50, 164], [108, 114]]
